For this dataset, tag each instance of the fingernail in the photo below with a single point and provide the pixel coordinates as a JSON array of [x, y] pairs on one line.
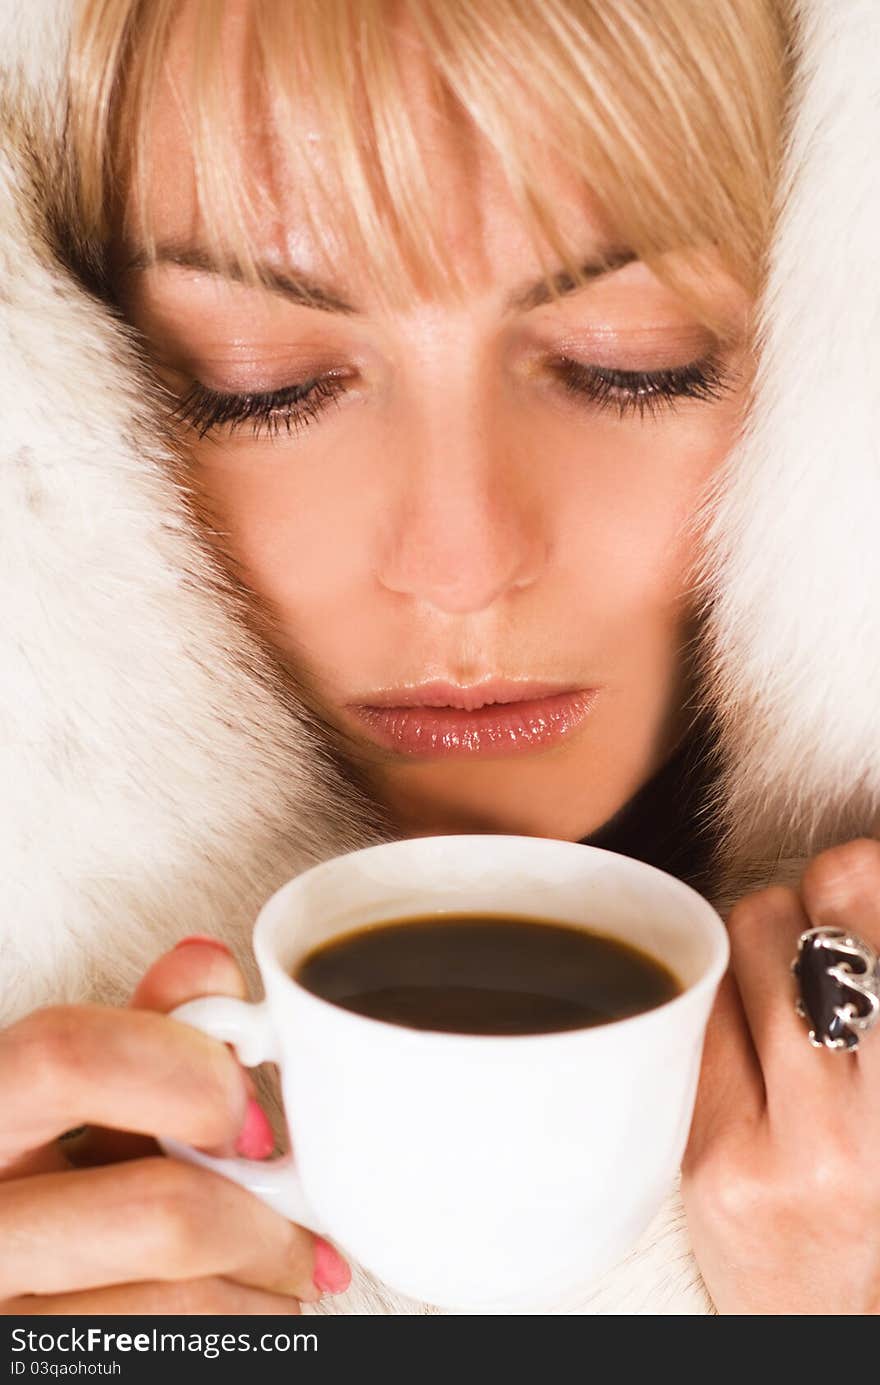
[[256, 1140], [202, 938], [331, 1273]]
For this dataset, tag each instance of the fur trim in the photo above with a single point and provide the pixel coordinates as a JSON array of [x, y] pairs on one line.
[[793, 554], [157, 778]]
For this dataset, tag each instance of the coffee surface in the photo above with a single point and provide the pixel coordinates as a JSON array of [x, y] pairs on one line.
[[485, 974]]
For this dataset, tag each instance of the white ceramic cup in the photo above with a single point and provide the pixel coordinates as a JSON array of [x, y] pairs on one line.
[[475, 1172]]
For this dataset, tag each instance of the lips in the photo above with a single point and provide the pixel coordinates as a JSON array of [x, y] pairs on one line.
[[501, 718], [467, 699]]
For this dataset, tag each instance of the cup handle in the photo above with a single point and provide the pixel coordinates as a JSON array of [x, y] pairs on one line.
[[248, 1028]]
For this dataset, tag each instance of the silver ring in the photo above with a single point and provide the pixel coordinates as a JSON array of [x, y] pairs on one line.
[[839, 981]]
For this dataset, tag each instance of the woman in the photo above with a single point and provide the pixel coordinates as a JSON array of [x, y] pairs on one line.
[[348, 395]]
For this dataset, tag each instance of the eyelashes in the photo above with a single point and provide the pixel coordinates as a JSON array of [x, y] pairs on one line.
[[644, 392], [626, 393], [288, 409]]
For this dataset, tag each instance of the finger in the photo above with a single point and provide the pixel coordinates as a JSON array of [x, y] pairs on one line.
[[200, 966], [190, 1298], [68, 1066], [764, 930], [731, 1087], [841, 888], [154, 1219], [47, 1158], [196, 966]]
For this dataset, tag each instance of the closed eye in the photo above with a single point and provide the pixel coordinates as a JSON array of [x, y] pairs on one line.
[[293, 407], [643, 392], [287, 409]]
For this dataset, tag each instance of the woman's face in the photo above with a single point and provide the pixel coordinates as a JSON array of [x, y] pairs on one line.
[[499, 490]]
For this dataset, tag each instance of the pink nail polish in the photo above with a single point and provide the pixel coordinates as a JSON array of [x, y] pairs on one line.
[[256, 1140], [331, 1273], [202, 938]]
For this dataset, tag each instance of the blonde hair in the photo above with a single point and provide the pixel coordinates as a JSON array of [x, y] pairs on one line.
[[671, 113]]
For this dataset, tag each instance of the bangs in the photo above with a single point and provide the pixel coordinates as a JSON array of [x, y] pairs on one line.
[[669, 114]]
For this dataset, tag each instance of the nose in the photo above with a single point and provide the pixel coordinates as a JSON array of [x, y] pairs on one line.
[[465, 524]]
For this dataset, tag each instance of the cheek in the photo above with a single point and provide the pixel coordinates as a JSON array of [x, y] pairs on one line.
[[292, 524], [634, 490]]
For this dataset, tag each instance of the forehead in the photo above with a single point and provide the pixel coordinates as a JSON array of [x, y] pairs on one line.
[[294, 186]]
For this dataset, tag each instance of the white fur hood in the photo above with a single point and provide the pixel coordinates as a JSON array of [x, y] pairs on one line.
[[157, 779]]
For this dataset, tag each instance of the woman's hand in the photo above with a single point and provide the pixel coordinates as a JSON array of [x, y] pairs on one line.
[[781, 1179], [150, 1234]]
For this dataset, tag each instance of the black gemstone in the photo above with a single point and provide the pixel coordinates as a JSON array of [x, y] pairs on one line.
[[822, 993]]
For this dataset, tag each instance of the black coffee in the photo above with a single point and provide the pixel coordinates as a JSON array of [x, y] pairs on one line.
[[485, 974]]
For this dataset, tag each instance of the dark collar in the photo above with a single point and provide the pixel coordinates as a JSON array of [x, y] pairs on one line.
[[663, 823]]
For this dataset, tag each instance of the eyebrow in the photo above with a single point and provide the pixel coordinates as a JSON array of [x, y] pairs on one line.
[[310, 292]]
